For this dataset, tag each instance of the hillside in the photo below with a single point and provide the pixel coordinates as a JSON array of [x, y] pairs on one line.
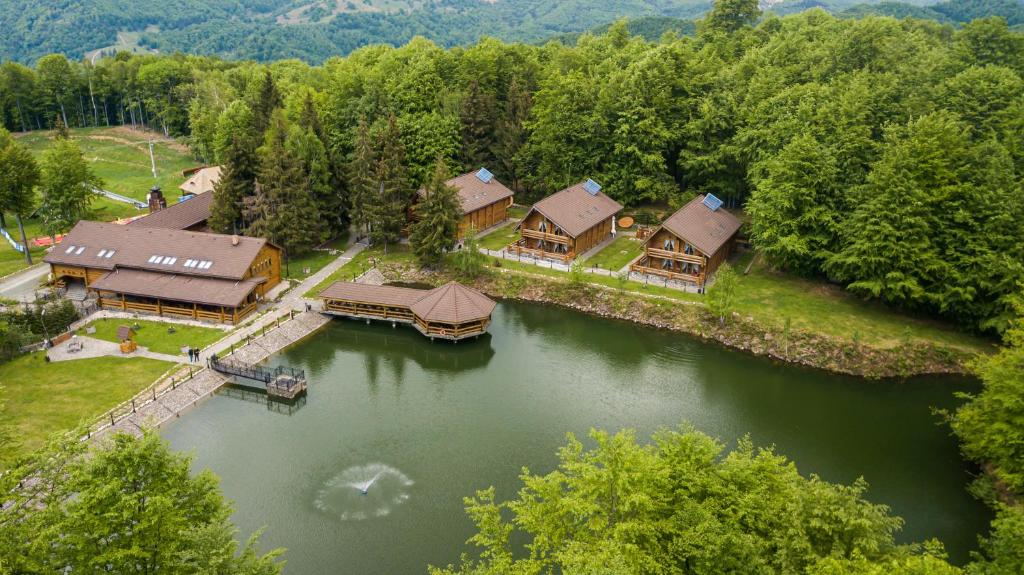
[[313, 30]]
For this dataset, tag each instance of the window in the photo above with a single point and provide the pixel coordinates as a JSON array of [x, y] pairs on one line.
[[69, 250], [170, 261], [670, 245], [102, 253], [110, 254], [79, 251], [543, 227], [155, 259], [189, 263], [205, 265]]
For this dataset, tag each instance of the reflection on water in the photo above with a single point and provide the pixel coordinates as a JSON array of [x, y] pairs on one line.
[[273, 405], [462, 417]]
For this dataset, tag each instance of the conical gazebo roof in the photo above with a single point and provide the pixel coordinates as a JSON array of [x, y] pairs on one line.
[[453, 303]]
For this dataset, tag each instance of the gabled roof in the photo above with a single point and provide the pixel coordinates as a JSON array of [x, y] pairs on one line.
[[209, 291], [453, 303], [201, 181], [368, 293], [703, 228], [474, 193], [576, 210], [179, 216], [134, 247]]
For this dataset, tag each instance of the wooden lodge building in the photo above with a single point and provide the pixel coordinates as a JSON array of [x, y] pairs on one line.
[[167, 272], [484, 200], [567, 223], [691, 244], [452, 311]]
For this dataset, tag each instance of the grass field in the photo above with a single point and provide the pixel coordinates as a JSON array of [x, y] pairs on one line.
[[361, 263], [45, 398], [316, 260], [120, 156], [617, 254], [500, 237], [154, 334], [816, 306]]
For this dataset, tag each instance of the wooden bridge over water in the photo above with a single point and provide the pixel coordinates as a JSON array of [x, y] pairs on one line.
[[281, 381]]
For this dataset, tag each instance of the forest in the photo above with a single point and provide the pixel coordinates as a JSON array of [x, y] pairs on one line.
[[314, 30], [881, 154]]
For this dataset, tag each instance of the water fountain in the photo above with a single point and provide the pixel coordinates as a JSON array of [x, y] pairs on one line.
[[363, 491]]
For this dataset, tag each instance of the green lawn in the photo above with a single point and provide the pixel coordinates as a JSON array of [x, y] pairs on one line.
[[315, 260], [817, 306], [46, 398], [11, 260], [361, 263], [121, 157], [501, 237], [617, 254], [154, 335]]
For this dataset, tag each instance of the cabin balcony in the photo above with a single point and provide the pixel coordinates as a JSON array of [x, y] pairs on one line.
[[183, 310], [544, 236], [519, 248], [674, 256], [646, 266]]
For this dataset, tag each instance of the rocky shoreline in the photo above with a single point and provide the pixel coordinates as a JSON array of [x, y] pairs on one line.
[[741, 333]]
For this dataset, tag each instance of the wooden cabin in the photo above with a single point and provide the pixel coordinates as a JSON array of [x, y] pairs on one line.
[[567, 223], [691, 244], [483, 199], [452, 311], [167, 272]]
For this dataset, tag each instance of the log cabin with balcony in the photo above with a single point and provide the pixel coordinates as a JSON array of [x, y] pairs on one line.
[[567, 223], [690, 245], [483, 199], [166, 272]]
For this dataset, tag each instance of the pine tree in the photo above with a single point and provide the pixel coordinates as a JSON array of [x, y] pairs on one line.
[[511, 133], [268, 99], [388, 205], [361, 178], [286, 213], [331, 189], [66, 186], [60, 129], [438, 216], [237, 182], [477, 114]]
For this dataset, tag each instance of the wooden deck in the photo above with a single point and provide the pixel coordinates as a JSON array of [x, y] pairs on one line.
[[281, 382]]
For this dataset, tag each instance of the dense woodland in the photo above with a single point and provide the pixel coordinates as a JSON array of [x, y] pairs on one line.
[[882, 154], [314, 30]]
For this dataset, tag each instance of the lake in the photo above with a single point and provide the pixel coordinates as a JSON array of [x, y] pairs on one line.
[[418, 425]]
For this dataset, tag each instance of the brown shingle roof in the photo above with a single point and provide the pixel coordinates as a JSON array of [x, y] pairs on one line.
[[366, 293], [134, 247], [450, 303], [705, 229], [209, 291], [201, 181], [453, 303], [475, 194], [575, 210], [180, 216]]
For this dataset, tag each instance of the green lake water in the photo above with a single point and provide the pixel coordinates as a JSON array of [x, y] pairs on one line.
[[420, 425]]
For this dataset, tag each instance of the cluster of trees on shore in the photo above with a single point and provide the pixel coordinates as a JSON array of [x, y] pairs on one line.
[[882, 154]]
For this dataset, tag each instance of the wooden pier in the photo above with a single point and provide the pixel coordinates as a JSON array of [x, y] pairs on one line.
[[282, 381], [452, 311]]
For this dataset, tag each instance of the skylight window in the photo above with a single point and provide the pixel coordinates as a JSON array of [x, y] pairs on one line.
[[155, 259], [110, 254], [102, 253], [205, 265], [189, 263], [168, 260], [79, 251], [69, 250]]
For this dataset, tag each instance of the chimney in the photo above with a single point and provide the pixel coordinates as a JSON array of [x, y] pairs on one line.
[[234, 239], [156, 200]]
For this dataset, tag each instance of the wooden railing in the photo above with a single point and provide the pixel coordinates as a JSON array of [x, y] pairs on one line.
[[368, 310], [515, 248], [174, 311], [675, 256], [455, 332], [538, 235], [643, 268]]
